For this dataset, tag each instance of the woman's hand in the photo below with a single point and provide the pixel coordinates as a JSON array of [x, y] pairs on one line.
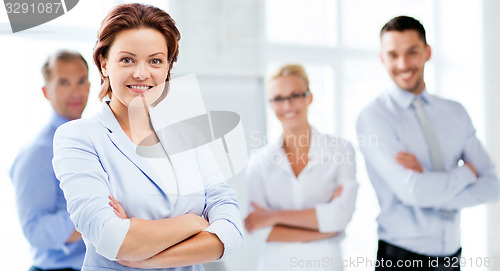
[[118, 208], [146, 264], [337, 192], [259, 218], [201, 248], [202, 222], [193, 218]]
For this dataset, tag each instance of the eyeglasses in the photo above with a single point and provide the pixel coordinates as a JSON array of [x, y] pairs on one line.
[[294, 97]]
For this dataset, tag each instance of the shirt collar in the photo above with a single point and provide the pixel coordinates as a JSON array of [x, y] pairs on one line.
[[313, 153], [57, 120], [277, 146], [404, 98], [107, 118]]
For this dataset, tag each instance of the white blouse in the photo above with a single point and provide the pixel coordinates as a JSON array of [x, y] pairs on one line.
[[158, 159], [273, 185]]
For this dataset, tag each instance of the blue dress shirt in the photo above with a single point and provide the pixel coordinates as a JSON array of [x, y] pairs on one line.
[[94, 158], [41, 205], [411, 203]]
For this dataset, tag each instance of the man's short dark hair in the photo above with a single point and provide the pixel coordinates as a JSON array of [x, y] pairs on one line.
[[61, 55], [402, 23]]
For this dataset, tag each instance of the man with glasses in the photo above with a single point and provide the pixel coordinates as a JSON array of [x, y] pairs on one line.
[[427, 163], [41, 206]]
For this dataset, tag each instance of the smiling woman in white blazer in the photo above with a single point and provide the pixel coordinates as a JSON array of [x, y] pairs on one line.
[[168, 203]]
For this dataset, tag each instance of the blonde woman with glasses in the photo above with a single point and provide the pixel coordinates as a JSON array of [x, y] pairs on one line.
[[302, 187]]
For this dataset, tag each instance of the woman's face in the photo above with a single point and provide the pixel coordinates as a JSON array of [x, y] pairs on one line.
[[292, 110], [136, 66]]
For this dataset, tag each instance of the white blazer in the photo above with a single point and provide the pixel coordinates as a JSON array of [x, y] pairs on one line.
[[94, 158]]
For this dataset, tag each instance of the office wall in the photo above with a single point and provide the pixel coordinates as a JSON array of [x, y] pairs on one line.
[[220, 44], [491, 58]]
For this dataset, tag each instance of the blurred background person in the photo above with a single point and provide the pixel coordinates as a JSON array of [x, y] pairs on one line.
[[302, 189], [415, 167], [41, 206]]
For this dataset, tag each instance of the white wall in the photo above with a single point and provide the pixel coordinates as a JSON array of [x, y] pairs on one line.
[[219, 42], [491, 36]]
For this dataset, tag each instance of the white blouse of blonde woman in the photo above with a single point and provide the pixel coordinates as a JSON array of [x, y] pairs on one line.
[[302, 188]]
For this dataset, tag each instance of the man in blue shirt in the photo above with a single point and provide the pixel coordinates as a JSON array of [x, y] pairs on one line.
[[423, 159], [41, 206]]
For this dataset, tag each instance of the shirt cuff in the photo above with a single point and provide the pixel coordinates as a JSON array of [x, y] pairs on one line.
[[324, 216], [112, 236], [262, 234], [69, 228], [469, 176], [228, 234]]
